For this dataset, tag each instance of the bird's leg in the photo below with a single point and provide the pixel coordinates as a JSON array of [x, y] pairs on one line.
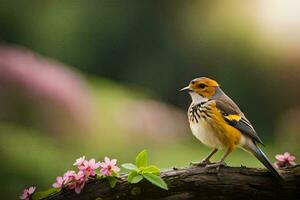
[[221, 162], [206, 160]]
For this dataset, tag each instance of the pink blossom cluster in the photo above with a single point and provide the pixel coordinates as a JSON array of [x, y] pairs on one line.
[[87, 169], [108, 167], [27, 193], [284, 160]]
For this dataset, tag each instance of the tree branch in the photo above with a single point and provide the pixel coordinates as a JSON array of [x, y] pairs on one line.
[[197, 183]]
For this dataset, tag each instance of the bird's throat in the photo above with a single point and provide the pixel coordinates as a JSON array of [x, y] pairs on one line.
[[197, 98]]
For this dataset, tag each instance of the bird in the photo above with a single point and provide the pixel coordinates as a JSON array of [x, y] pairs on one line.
[[217, 121]]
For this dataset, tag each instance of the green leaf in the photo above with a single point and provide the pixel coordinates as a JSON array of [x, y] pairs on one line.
[[152, 169], [44, 194], [137, 178], [156, 180], [131, 175], [129, 166], [142, 159], [134, 177], [112, 181]]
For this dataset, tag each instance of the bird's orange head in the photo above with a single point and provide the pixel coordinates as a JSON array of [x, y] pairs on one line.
[[203, 86]]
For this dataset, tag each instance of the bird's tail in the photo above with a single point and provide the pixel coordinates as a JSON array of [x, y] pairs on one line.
[[257, 152]]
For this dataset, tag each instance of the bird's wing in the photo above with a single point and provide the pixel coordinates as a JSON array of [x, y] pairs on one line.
[[234, 117]]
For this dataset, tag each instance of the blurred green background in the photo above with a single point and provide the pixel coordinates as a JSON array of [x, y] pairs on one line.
[[102, 78]]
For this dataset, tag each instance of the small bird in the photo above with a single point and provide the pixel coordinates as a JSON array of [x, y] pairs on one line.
[[218, 122]]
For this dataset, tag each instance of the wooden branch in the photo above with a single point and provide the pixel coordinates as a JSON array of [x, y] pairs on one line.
[[197, 183]]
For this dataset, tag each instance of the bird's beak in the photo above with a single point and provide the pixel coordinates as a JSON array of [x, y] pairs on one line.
[[186, 89]]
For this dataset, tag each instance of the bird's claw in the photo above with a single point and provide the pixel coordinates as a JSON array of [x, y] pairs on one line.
[[203, 163], [216, 165], [196, 164]]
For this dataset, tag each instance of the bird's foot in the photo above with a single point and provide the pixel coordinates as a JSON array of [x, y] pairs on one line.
[[216, 165], [203, 163]]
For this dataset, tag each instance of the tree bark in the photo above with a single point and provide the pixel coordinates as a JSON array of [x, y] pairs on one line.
[[197, 183]]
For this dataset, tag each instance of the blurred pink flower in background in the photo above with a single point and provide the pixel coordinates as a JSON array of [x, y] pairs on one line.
[[156, 119], [285, 160], [27, 193], [108, 167], [50, 90]]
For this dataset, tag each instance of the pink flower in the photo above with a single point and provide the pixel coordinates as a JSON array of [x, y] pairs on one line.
[[108, 167], [60, 182], [63, 181], [79, 187], [27, 193], [89, 167], [284, 160], [79, 182], [69, 175], [79, 162]]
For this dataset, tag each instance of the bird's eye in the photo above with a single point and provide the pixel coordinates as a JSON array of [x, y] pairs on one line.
[[201, 85]]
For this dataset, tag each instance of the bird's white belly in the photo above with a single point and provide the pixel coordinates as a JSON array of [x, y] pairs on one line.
[[203, 132]]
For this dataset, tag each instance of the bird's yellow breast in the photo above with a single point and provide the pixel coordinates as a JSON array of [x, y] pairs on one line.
[[214, 131]]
